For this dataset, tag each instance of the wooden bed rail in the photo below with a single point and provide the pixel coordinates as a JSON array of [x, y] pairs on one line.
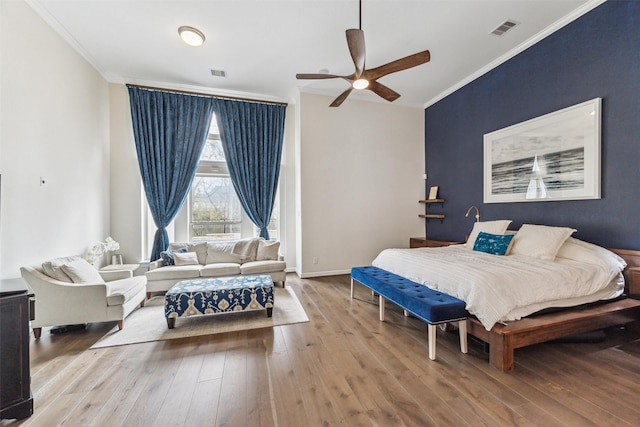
[[504, 339]]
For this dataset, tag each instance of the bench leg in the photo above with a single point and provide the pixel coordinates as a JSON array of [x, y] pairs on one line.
[[406, 313], [432, 341], [381, 299], [352, 288], [462, 327]]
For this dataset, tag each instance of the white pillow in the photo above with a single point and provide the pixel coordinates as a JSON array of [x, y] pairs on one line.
[[540, 241], [200, 249], [221, 252], [53, 268], [267, 250], [492, 227], [80, 271], [185, 258], [578, 250]]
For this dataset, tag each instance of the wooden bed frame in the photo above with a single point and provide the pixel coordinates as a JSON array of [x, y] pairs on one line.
[[504, 339]]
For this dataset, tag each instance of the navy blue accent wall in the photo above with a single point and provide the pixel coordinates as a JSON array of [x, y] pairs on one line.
[[597, 55]]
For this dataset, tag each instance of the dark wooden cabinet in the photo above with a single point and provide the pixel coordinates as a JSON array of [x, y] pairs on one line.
[[422, 242], [15, 378]]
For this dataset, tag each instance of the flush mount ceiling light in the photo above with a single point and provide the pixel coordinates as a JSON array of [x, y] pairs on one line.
[[191, 36]]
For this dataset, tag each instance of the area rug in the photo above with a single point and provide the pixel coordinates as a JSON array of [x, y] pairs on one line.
[[149, 324]]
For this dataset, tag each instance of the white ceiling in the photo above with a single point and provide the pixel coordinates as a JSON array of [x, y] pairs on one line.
[[262, 44]]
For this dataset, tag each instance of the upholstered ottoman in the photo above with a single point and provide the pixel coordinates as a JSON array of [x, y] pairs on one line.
[[196, 297]]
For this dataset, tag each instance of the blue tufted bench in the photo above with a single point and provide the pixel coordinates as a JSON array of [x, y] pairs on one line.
[[430, 306]]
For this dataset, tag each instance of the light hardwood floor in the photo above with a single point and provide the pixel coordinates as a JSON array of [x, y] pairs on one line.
[[344, 367]]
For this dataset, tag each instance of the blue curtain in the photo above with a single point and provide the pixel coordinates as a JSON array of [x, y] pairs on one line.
[[251, 135], [170, 130]]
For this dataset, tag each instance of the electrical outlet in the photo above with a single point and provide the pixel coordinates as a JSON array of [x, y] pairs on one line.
[[315, 259]]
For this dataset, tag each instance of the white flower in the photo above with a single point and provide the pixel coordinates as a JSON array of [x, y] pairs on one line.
[[100, 248], [111, 245]]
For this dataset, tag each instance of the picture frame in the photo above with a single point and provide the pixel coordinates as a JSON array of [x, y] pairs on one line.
[[552, 157], [433, 192]]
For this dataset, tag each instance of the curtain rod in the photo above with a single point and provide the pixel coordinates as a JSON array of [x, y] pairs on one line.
[[207, 95]]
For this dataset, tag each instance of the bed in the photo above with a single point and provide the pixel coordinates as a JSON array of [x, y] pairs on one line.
[[543, 268]]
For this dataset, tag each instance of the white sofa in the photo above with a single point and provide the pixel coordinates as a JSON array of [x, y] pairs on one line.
[[216, 259], [85, 297]]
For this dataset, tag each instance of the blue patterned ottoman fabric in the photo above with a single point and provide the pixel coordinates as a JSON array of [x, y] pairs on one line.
[[219, 295]]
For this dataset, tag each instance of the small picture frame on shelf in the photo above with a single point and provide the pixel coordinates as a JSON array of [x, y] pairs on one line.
[[433, 192]]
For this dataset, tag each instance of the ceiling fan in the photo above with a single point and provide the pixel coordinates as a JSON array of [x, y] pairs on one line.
[[367, 79]]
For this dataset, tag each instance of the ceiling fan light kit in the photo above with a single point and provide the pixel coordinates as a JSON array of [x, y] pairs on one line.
[[191, 36], [360, 84], [364, 78]]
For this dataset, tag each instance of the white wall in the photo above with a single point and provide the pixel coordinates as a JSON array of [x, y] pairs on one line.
[[360, 171], [54, 111], [127, 195]]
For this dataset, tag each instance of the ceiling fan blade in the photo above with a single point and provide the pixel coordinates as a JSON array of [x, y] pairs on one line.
[[355, 41], [399, 65], [383, 91], [340, 99], [318, 76]]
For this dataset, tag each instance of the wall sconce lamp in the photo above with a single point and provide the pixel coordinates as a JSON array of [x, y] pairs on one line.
[[477, 213]]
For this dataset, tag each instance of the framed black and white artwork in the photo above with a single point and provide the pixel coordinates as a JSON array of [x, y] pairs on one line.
[[551, 157]]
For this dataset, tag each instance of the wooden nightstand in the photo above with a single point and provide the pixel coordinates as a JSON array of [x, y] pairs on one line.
[[423, 242], [633, 276]]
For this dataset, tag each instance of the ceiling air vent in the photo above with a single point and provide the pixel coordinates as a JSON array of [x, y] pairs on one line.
[[504, 27], [218, 73]]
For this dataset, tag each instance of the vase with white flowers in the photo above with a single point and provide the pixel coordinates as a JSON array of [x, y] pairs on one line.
[[101, 248]]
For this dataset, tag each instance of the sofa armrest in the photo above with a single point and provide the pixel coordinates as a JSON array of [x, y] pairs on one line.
[[155, 264], [54, 299], [110, 276]]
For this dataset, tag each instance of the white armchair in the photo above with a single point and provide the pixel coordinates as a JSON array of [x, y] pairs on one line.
[[63, 303]]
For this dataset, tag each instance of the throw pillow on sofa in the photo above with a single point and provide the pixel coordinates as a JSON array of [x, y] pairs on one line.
[[186, 258], [200, 249], [80, 271], [267, 250], [53, 268], [221, 252], [246, 249], [168, 256]]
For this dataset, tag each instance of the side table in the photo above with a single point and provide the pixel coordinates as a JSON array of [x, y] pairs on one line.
[[121, 267]]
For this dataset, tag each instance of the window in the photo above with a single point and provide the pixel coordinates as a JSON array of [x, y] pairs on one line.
[[215, 212]]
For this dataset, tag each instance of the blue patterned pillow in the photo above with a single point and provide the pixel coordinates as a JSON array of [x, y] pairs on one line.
[[167, 256], [495, 244]]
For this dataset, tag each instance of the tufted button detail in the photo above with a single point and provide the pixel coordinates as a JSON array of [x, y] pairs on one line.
[[428, 304]]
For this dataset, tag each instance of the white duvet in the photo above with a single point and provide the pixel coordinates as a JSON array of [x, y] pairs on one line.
[[503, 288]]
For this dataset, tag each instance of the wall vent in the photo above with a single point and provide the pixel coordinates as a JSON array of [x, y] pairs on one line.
[[218, 73], [504, 27]]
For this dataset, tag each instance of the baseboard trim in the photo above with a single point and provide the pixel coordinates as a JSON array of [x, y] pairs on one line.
[[323, 273]]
